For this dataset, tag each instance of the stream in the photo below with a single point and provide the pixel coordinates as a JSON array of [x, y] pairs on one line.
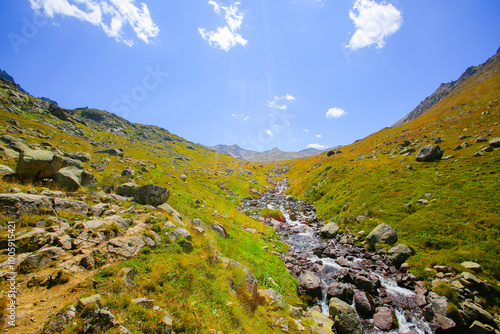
[[339, 262]]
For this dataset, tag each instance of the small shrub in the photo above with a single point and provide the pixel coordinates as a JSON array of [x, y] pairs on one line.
[[444, 289]]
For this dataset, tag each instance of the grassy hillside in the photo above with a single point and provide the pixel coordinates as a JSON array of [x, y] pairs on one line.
[[459, 219], [193, 287]]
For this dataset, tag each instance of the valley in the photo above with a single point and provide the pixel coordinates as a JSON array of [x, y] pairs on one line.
[[395, 233]]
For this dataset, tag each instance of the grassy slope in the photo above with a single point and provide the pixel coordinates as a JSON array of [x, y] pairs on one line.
[[192, 287], [462, 221]]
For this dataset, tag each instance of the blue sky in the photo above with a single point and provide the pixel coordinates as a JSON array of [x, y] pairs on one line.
[[290, 74]]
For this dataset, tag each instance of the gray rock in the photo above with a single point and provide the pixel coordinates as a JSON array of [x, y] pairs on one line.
[[127, 189], [68, 178], [481, 139], [445, 324], [382, 234], [271, 297], [330, 230], [151, 194], [220, 230], [183, 177], [18, 204], [495, 142], [472, 266], [337, 290], [180, 232], [199, 223], [62, 319], [364, 304], [116, 152], [32, 162], [472, 312], [82, 156], [385, 319], [127, 247], [176, 216], [310, 284], [69, 205], [5, 170], [429, 153], [397, 255], [144, 302], [346, 320]]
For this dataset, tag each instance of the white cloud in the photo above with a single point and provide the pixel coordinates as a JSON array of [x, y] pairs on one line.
[[319, 136], [242, 116], [225, 37], [110, 15], [305, 130], [335, 113], [269, 132], [278, 102], [316, 146], [374, 23]]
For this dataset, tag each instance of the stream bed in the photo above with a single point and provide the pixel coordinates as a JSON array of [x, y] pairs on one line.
[[358, 276]]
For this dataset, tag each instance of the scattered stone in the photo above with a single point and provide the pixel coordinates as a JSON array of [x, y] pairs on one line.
[[399, 254], [429, 153], [385, 319], [127, 189], [183, 177], [151, 194], [364, 304], [478, 154], [116, 152], [382, 234], [144, 302], [480, 328], [5, 170], [346, 320], [180, 232], [481, 139], [270, 297], [220, 230], [330, 230], [310, 284], [472, 266], [495, 142]]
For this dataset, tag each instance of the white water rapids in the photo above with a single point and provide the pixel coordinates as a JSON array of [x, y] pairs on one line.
[[301, 239]]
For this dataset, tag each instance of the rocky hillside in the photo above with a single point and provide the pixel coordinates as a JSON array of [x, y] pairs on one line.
[[435, 181], [478, 72], [166, 252], [235, 151]]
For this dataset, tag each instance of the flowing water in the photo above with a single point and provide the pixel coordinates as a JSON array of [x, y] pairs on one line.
[[300, 232]]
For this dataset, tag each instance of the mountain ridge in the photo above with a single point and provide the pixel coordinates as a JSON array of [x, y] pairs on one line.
[[446, 89], [274, 154]]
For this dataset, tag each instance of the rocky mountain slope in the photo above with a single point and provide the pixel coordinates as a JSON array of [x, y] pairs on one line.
[[274, 154], [448, 88], [435, 181]]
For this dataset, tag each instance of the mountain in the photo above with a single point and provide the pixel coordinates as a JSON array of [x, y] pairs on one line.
[[235, 151], [6, 76], [274, 154], [449, 88]]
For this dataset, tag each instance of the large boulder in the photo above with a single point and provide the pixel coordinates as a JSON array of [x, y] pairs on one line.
[[127, 189], [68, 178], [151, 195], [117, 152], [174, 215], [71, 178], [385, 319], [330, 230], [82, 156], [429, 153], [364, 303], [19, 204], [495, 142], [310, 284], [32, 162], [397, 255], [345, 317], [70, 205], [382, 234]]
